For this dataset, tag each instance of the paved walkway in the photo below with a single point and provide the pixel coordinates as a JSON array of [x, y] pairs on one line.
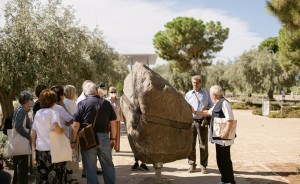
[[266, 151]]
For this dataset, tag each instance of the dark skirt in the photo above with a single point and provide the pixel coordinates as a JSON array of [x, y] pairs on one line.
[[48, 173]]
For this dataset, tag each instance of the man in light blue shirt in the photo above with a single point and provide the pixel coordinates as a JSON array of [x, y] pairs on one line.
[[199, 98]]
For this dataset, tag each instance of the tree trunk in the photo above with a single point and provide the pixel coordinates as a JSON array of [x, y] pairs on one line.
[[198, 68], [270, 94], [6, 101]]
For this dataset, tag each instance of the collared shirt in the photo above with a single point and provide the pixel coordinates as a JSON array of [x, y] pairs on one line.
[[226, 108], [86, 112], [64, 117], [205, 100], [80, 98]]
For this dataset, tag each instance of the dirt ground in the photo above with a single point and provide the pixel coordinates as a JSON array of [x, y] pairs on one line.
[[265, 152]]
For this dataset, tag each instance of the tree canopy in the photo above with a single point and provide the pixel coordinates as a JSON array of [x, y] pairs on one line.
[[270, 43], [186, 42]]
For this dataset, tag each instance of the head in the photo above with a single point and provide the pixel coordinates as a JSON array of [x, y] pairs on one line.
[[47, 98], [216, 93], [197, 82], [90, 89], [26, 99], [102, 89], [59, 90], [39, 88], [70, 92], [85, 82], [113, 92]]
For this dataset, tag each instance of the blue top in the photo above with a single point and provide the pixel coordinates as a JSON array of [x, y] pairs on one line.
[[18, 118], [205, 100], [86, 112]]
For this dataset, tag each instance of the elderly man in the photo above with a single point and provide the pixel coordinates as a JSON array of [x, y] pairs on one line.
[[199, 99], [105, 125]]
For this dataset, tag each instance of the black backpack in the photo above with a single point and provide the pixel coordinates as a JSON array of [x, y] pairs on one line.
[[8, 123]]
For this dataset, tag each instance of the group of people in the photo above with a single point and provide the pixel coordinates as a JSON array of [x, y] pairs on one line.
[[58, 110]]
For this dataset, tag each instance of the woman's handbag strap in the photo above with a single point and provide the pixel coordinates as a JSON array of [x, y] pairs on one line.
[[99, 105]]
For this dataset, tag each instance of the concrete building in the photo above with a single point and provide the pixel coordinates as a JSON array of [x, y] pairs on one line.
[[148, 59]]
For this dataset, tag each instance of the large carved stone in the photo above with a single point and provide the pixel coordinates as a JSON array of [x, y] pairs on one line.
[[158, 119]]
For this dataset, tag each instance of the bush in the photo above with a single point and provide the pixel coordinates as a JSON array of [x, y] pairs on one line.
[[3, 144], [275, 107], [294, 113], [257, 111], [241, 106], [276, 115]]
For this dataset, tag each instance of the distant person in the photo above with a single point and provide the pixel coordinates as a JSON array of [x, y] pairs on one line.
[[102, 90], [115, 102], [20, 162], [136, 165], [283, 95], [221, 109], [39, 88], [199, 99]]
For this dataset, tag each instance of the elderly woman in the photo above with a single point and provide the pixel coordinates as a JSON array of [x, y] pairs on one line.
[[20, 162], [46, 120], [221, 109], [115, 102]]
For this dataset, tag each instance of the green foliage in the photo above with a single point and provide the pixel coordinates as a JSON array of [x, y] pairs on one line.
[[275, 107], [188, 40], [242, 106], [276, 115], [257, 111], [218, 74], [289, 50], [270, 43], [287, 11], [3, 144]]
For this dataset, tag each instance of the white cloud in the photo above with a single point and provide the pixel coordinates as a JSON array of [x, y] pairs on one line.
[[129, 26]]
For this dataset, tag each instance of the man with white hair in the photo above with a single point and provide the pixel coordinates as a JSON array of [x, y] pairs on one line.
[[105, 125], [199, 99]]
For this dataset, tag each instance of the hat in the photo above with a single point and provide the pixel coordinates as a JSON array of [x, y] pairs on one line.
[[101, 85]]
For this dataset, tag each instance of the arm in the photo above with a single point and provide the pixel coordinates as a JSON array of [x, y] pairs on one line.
[[230, 119], [33, 138], [75, 129], [227, 130], [19, 124], [113, 132], [203, 113], [58, 129]]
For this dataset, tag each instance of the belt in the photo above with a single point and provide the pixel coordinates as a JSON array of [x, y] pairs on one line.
[[198, 120], [103, 132]]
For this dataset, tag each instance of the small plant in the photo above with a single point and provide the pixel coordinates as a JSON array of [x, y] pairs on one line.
[[257, 111], [276, 115], [275, 107], [242, 106]]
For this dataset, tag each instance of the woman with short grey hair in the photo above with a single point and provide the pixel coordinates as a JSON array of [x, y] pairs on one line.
[[20, 162]]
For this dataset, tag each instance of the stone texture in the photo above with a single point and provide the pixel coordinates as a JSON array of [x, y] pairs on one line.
[[158, 119]]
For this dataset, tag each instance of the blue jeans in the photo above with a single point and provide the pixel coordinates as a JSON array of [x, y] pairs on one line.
[[89, 160]]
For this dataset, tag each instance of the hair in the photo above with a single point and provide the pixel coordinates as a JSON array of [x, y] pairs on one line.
[[112, 88], [197, 77], [39, 88], [85, 82], [70, 92], [59, 90], [25, 96], [47, 98], [90, 89], [217, 90]]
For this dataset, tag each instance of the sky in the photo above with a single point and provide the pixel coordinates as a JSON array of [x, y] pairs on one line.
[[129, 26]]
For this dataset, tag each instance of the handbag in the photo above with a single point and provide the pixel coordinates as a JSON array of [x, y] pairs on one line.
[[88, 136], [219, 127], [60, 148], [18, 144]]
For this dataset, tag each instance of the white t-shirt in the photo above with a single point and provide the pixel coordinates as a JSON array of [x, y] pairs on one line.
[[80, 98], [70, 106], [226, 108], [64, 117], [42, 125]]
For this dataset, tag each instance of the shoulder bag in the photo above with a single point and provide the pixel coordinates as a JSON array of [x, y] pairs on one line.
[[219, 127], [17, 144], [88, 135]]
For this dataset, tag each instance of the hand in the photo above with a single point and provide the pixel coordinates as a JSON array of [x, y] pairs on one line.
[[193, 110], [224, 135], [112, 143], [73, 145]]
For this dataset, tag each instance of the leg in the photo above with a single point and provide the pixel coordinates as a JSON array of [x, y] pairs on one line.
[[117, 145], [104, 152], [224, 162], [203, 144], [192, 156], [15, 166], [89, 160], [23, 169]]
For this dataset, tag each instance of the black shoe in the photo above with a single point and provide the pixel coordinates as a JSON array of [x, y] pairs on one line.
[[83, 175], [135, 166], [144, 167], [99, 172]]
